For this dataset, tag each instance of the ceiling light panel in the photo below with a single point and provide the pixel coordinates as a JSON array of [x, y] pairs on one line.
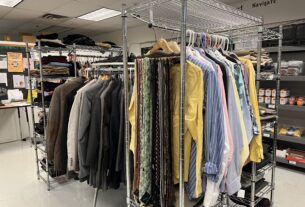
[[9, 3], [100, 14]]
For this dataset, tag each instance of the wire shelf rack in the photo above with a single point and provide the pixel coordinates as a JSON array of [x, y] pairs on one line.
[[209, 15], [252, 34], [259, 196]]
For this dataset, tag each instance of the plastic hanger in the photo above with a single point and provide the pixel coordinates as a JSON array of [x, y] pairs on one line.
[[188, 32]]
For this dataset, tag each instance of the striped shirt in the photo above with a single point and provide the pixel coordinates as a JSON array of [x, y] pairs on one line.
[[214, 129]]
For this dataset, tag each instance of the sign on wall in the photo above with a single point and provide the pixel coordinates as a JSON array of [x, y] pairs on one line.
[[273, 10], [15, 62]]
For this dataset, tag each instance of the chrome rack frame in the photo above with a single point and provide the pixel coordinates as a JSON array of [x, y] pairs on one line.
[[178, 15], [263, 35], [116, 70], [40, 50]]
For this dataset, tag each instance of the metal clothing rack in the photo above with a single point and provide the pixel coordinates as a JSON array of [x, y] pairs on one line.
[[42, 138], [75, 48], [178, 15], [43, 147], [100, 68], [263, 35]]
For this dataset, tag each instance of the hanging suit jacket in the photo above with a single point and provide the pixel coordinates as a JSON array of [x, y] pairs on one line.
[[58, 123]]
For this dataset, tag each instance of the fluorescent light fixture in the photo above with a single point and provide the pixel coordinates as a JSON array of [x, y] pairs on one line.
[[100, 14], [9, 3]]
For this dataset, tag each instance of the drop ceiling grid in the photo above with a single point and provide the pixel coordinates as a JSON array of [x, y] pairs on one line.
[[26, 16]]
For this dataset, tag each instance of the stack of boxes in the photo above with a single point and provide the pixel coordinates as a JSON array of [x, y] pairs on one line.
[[267, 96]]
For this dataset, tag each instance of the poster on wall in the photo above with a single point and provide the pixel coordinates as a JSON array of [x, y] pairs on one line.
[[3, 78], [15, 62], [3, 62], [26, 64], [18, 81]]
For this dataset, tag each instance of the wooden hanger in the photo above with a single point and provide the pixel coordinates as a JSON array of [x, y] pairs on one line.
[[174, 46], [160, 44]]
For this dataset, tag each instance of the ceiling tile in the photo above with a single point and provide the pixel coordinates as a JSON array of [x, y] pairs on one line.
[[4, 10], [75, 9], [111, 23], [75, 23], [42, 5], [22, 14], [95, 2], [7, 23], [34, 26], [117, 5]]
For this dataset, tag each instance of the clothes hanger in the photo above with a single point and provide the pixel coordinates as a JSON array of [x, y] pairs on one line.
[[188, 32], [228, 45], [160, 44]]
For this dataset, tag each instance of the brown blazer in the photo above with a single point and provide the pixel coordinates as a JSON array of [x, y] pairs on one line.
[[60, 107]]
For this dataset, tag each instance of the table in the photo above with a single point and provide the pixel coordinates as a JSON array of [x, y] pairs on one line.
[[18, 105]]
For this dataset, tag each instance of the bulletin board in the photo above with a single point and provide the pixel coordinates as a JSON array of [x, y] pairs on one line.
[[13, 69]]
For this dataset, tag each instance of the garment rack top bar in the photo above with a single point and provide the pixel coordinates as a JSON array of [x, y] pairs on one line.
[[202, 15]]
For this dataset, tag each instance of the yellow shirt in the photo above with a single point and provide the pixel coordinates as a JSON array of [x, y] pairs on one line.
[[256, 145], [132, 119], [245, 150], [193, 120]]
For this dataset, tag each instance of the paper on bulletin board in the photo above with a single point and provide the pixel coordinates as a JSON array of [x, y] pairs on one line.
[[3, 62], [27, 83], [15, 62], [18, 81], [25, 63], [3, 78]]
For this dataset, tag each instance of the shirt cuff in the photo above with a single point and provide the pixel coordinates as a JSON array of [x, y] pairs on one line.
[[211, 170]]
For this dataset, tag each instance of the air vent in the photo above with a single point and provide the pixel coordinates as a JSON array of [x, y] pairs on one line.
[[54, 17]]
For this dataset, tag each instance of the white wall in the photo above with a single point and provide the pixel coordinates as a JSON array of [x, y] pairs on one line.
[[136, 37], [274, 10]]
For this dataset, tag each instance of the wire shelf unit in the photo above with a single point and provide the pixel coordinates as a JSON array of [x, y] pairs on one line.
[[208, 15], [259, 196], [251, 34]]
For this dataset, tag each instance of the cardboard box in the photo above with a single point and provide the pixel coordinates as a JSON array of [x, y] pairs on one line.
[[28, 38]]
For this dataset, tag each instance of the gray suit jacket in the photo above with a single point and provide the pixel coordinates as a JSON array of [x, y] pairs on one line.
[[83, 127]]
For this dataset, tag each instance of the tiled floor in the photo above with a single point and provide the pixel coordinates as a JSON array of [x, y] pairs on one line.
[[19, 186]]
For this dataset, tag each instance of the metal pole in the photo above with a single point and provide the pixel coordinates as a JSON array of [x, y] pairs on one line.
[[19, 122], [28, 121], [253, 180], [32, 108], [126, 91], [259, 54], [44, 111], [278, 82], [258, 69], [74, 59], [182, 101], [95, 197], [161, 118]]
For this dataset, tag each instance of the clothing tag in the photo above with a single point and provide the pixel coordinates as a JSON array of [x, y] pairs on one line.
[[292, 162], [266, 135], [241, 193]]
